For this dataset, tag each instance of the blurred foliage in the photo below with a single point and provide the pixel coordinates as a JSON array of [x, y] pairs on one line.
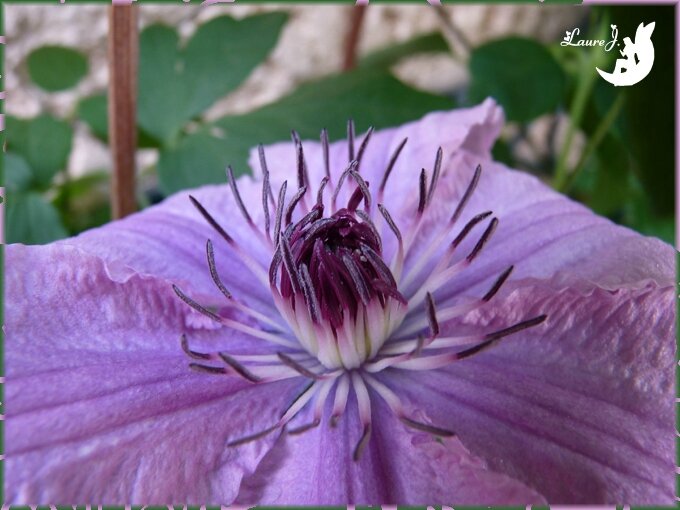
[[500, 69], [56, 68], [625, 170]]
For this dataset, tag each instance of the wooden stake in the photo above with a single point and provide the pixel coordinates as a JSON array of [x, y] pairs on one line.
[[123, 50], [353, 33]]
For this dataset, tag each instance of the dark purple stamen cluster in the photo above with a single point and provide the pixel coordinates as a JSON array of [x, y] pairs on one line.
[[335, 263]]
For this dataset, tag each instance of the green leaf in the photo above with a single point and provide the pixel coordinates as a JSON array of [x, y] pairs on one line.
[[32, 220], [93, 110], [429, 43], [55, 68], [84, 202], [17, 173], [176, 85], [44, 142], [197, 159], [371, 98], [520, 74]]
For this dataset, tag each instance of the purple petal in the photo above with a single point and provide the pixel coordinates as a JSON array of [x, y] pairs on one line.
[[581, 407], [548, 236], [168, 241], [398, 466], [101, 405]]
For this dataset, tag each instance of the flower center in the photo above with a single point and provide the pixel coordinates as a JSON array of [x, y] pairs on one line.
[[348, 314], [337, 293]]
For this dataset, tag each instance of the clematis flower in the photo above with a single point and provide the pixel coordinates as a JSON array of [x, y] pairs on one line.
[[393, 318]]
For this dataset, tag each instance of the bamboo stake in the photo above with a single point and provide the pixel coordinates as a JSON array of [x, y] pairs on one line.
[[123, 50]]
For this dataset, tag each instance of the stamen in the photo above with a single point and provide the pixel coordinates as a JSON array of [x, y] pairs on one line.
[[279, 210], [390, 165], [257, 333], [440, 360], [184, 342], [369, 223], [466, 196], [253, 437], [304, 428], [492, 338], [361, 445], [350, 139], [290, 362], [289, 264], [213, 270], [254, 266], [364, 404], [302, 175], [319, 194], [293, 203], [429, 251], [237, 196], [363, 186], [362, 147], [397, 408], [211, 220], [352, 165], [435, 174], [326, 152], [432, 316], [238, 368], [193, 304], [340, 402], [357, 278], [422, 191], [197, 367], [498, 284], [310, 295], [482, 240], [424, 427], [468, 227], [266, 190]]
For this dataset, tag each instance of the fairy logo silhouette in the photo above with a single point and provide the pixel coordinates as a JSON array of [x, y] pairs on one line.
[[638, 59]]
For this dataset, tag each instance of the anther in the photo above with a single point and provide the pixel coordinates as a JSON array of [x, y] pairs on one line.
[[350, 139], [468, 227], [435, 174], [279, 210], [213, 270], [193, 304], [468, 193], [361, 445], [431, 316], [184, 342], [492, 338], [362, 147], [482, 240], [498, 284], [237, 195], [424, 427], [390, 165], [291, 363], [238, 368], [293, 203], [206, 369], [211, 220], [422, 191], [325, 148]]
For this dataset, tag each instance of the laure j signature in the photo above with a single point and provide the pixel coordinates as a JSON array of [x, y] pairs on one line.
[[570, 39]]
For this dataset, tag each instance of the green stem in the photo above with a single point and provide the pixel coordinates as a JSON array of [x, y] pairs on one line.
[[596, 139], [584, 86]]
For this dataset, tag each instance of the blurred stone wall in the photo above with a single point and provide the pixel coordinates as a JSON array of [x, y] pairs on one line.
[[311, 45]]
